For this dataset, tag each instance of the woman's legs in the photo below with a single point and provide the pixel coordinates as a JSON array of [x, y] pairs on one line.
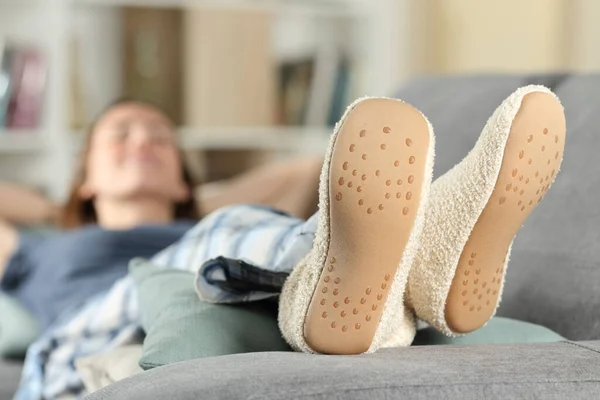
[[373, 190], [347, 297], [261, 236]]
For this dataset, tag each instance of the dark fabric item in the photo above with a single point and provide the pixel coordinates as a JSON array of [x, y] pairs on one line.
[[9, 378], [549, 371], [239, 276], [553, 278], [52, 273]]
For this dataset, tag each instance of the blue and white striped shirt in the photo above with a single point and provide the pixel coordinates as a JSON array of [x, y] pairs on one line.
[[258, 235]]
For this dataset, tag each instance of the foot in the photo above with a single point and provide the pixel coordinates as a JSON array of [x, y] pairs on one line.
[[377, 180], [531, 160], [476, 209]]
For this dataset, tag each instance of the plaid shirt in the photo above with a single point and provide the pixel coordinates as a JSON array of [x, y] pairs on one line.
[[257, 235]]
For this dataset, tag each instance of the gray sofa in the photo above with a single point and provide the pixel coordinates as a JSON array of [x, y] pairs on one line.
[[553, 280], [10, 372]]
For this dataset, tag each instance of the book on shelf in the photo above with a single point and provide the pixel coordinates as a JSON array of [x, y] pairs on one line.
[[153, 58], [314, 91], [295, 78], [341, 91], [230, 79], [78, 105], [6, 56], [23, 75], [229, 68]]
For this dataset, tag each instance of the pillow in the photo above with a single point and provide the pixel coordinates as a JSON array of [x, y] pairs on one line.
[[497, 330], [179, 326], [18, 328], [103, 369]]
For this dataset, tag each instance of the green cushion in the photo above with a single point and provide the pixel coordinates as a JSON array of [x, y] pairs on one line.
[[18, 328], [498, 330], [179, 326]]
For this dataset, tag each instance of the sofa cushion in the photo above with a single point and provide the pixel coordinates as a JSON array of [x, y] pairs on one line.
[[548, 370], [10, 373], [102, 369], [497, 330], [181, 327], [553, 278], [18, 328]]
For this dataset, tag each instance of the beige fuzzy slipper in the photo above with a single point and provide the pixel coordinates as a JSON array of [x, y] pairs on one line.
[[476, 209], [347, 296]]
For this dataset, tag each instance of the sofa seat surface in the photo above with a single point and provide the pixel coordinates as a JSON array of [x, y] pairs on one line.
[[10, 373], [557, 370]]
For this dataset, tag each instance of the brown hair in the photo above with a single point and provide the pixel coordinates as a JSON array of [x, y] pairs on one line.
[[78, 211]]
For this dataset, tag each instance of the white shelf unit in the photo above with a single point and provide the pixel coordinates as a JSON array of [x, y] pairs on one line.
[[323, 7], [20, 142], [48, 160], [284, 140], [40, 157]]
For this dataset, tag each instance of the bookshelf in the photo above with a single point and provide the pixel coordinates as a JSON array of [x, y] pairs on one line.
[[49, 150], [280, 139], [286, 140], [323, 7], [20, 142]]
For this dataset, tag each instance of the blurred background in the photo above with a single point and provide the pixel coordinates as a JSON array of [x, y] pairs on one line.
[[250, 81]]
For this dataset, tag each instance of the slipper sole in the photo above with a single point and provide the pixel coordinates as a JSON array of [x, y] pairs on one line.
[[532, 158], [376, 178]]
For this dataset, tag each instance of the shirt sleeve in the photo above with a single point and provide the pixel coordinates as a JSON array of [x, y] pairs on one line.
[[21, 262]]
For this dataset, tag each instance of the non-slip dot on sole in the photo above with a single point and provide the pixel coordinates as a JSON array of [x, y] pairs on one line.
[[524, 178], [369, 227]]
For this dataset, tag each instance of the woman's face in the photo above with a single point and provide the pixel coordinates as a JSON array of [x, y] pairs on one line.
[[133, 153]]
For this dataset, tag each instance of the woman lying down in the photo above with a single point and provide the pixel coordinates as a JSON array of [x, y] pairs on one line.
[[387, 247], [131, 197]]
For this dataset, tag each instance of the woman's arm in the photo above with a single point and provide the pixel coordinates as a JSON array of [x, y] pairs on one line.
[[290, 186], [8, 244], [23, 206]]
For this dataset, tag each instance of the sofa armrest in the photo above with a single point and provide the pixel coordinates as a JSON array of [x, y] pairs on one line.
[[505, 371]]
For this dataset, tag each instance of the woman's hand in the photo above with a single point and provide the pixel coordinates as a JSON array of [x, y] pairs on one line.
[[8, 244]]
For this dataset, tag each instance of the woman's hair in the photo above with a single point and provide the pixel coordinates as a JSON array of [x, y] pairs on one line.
[[78, 211]]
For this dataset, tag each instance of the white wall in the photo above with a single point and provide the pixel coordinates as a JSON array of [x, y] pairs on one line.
[[584, 54], [512, 36]]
